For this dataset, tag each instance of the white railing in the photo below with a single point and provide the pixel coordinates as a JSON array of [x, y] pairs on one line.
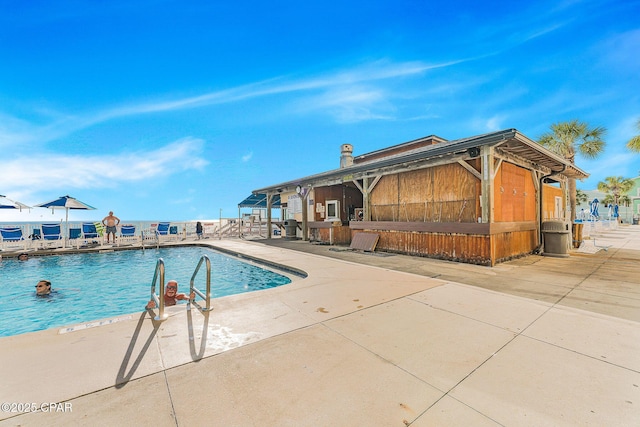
[[144, 232]]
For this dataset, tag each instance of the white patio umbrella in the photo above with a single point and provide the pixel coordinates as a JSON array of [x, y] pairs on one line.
[[7, 203], [66, 203]]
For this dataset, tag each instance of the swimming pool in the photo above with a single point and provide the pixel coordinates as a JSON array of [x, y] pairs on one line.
[[91, 286]]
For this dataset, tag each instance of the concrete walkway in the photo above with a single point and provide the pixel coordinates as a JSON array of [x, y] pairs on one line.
[[603, 282], [536, 341]]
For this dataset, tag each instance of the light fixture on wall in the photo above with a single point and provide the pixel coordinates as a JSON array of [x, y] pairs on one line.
[[473, 151]]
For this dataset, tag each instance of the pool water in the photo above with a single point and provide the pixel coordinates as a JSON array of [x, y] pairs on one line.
[[93, 286]]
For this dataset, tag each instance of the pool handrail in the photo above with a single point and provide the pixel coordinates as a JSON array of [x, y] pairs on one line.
[[159, 301], [195, 290]]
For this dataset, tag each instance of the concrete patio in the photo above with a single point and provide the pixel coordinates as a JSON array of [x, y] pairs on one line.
[[363, 340]]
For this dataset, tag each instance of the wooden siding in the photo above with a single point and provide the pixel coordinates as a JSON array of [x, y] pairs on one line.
[[514, 194], [445, 227], [433, 212], [332, 234], [349, 197], [505, 246], [484, 244], [446, 193], [473, 249], [429, 227]]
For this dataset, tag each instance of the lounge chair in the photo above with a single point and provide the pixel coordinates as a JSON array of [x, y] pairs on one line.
[[127, 230], [173, 232], [75, 236], [35, 234], [11, 238], [89, 230], [51, 235], [163, 229], [128, 233]]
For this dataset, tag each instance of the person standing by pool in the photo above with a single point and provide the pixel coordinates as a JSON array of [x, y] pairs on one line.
[[171, 295], [111, 221], [199, 230], [43, 288]]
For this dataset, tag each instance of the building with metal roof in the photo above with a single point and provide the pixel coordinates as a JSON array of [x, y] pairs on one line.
[[480, 199]]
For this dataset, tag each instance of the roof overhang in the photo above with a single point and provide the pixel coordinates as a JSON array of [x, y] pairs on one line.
[[508, 141], [259, 201], [521, 146]]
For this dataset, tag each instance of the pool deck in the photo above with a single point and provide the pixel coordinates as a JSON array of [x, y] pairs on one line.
[[363, 340]]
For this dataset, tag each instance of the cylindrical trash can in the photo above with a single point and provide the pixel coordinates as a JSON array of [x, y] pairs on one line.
[[577, 234], [556, 238], [290, 228]]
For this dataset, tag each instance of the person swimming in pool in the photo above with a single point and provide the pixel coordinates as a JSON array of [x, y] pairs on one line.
[[171, 295], [43, 288]]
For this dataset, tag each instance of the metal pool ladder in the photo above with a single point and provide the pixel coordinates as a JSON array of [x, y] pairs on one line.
[[159, 300], [195, 290]]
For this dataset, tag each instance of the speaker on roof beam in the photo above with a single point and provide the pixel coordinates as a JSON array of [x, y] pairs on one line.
[[473, 151]]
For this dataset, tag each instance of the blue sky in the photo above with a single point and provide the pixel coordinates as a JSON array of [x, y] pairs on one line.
[[173, 110]]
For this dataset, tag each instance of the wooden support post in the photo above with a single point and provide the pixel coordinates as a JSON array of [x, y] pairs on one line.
[[366, 188], [269, 202], [305, 209], [488, 175], [366, 206]]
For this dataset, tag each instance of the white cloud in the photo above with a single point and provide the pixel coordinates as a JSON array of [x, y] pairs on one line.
[[494, 123], [612, 165], [484, 124], [539, 32], [18, 131], [181, 202], [25, 175], [247, 157], [350, 104]]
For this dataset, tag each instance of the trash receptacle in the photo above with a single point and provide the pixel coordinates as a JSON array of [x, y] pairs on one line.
[[290, 226], [577, 234], [635, 221], [556, 238]]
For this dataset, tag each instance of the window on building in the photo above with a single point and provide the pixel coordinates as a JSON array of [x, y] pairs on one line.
[[333, 210]]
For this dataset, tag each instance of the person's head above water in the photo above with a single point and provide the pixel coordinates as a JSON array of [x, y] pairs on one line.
[[43, 287], [171, 288]]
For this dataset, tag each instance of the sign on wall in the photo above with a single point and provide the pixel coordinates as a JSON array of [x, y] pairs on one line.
[[294, 204]]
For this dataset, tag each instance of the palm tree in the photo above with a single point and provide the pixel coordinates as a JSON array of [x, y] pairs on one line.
[[567, 138], [581, 196], [625, 201], [608, 200], [615, 186], [634, 143]]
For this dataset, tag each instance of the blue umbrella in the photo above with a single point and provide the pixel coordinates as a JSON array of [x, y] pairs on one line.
[[66, 203], [7, 203], [594, 208]]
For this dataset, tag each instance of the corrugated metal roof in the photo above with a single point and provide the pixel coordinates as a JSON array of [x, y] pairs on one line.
[[259, 201], [509, 141]]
